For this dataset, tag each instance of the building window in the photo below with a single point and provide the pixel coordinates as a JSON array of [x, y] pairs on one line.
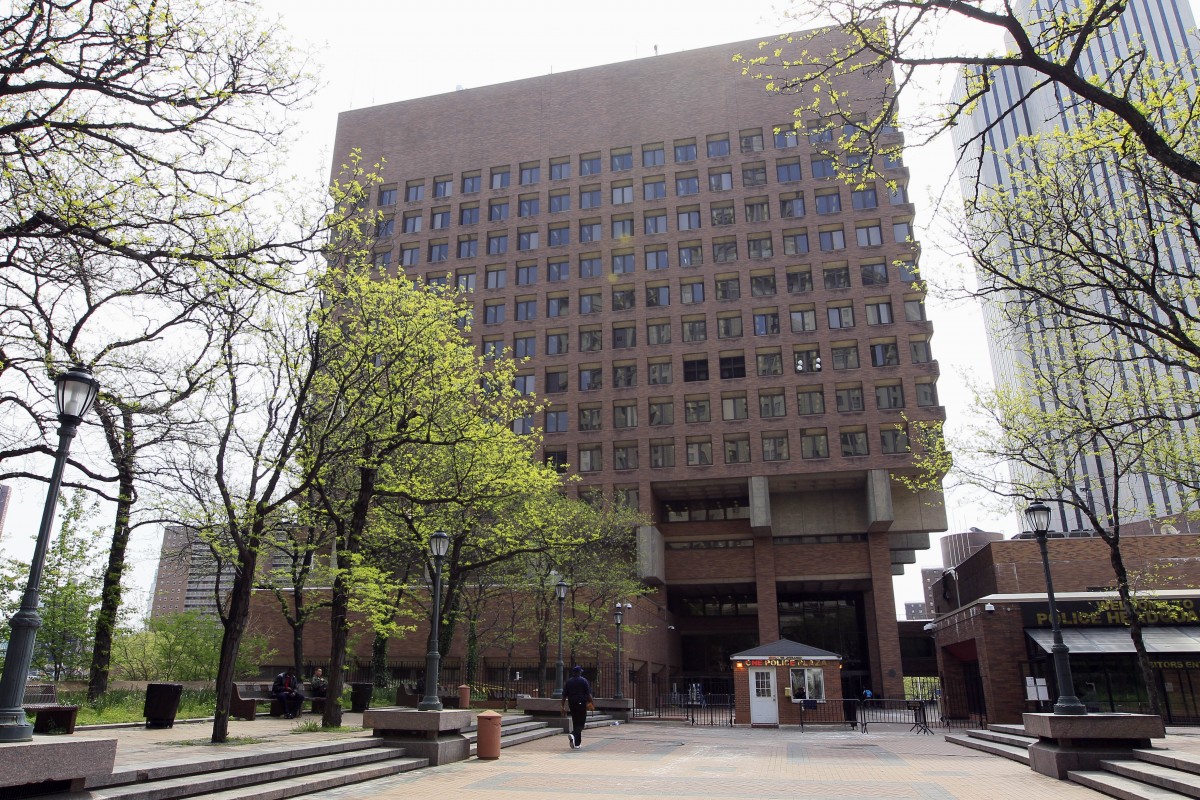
[[560, 235], [658, 333], [854, 443], [624, 336], [528, 207], [869, 235], [837, 278], [660, 374], [556, 344], [751, 141], [656, 258], [803, 319], [410, 254], [387, 197], [721, 214], [733, 408], [439, 251], [591, 341], [468, 247], [558, 271], [590, 378], [845, 357], [590, 303], [414, 191], [625, 456], [472, 183], [887, 397], [526, 310], [590, 232], [496, 278], [699, 454], [497, 244], [687, 185], [530, 174], [468, 215], [863, 199], [823, 168], [658, 296], [771, 404], [729, 327], [556, 381], [792, 207], [622, 195], [766, 323], [695, 369], [412, 222], [622, 299], [788, 170], [439, 219], [810, 401], [589, 165], [697, 411], [523, 426], [384, 259], [560, 170], [769, 364], [725, 250], [758, 210], [556, 422], [829, 202], [849, 399], [718, 146], [560, 201], [921, 353], [737, 449], [589, 197], [685, 151], [692, 292], [622, 228], [653, 155], [556, 459], [590, 458], [806, 360], [662, 413], [625, 415], [662, 454], [690, 255], [654, 189], [754, 175], [814, 445], [493, 348], [786, 136], [524, 384], [497, 211], [624, 375], [385, 228], [927, 395], [527, 240], [500, 177], [832, 239], [909, 273], [655, 222], [879, 313], [720, 180], [893, 440], [589, 419], [902, 232], [694, 330], [795, 244], [914, 310], [840, 316], [775, 447], [885, 355], [557, 306], [874, 274], [732, 367], [728, 288]]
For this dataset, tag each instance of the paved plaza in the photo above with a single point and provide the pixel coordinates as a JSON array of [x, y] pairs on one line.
[[659, 761]]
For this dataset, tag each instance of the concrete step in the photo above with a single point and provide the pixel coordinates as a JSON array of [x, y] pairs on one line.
[[1121, 787], [1011, 752], [331, 779], [1002, 737], [241, 778], [1185, 783], [209, 761], [1169, 758], [1011, 730]]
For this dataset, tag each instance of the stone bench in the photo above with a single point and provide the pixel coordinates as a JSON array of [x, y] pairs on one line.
[[49, 715]]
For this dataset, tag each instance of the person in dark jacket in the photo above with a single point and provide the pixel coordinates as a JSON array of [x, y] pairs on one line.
[[577, 695], [286, 689]]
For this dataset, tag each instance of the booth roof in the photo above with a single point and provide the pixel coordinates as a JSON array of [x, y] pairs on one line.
[[785, 648]]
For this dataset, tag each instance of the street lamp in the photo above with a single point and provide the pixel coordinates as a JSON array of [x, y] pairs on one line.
[[1038, 515], [619, 615], [560, 591], [439, 545], [75, 390]]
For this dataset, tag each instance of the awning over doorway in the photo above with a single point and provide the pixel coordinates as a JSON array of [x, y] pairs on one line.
[[1164, 639]]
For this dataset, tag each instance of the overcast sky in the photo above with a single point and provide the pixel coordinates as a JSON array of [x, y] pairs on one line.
[[368, 52]]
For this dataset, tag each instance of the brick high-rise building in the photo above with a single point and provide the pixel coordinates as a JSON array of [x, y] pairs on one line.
[[730, 338]]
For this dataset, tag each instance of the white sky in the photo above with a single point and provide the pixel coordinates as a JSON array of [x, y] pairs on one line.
[[368, 52]]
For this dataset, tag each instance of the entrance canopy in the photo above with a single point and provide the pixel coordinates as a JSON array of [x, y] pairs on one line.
[[1164, 639]]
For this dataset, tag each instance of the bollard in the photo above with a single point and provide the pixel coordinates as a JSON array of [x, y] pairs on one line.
[[487, 737], [464, 696]]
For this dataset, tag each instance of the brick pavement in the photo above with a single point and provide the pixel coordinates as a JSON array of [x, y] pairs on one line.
[[662, 761]]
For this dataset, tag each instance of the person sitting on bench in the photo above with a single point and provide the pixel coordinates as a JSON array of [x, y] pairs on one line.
[[286, 690], [318, 685]]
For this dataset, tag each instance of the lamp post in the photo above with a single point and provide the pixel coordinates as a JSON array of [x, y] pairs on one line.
[[618, 615], [1038, 515], [75, 390], [560, 591], [439, 545]]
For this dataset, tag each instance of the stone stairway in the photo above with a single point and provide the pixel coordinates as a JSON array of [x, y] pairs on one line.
[[518, 730], [265, 775], [1150, 774]]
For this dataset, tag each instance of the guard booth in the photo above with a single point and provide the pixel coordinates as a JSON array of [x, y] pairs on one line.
[[784, 682]]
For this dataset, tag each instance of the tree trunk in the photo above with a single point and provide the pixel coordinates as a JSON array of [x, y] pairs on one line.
[[121, 447], [231, 641], [472, 650], [298, 646], [1135, 624], [379, 670]]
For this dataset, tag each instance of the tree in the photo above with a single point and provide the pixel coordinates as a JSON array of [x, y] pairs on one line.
[[182, 103], [181, 647], [300, 547], [69, 587], [1135, 102]]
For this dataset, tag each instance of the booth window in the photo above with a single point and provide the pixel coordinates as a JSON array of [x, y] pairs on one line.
[[808, 683]]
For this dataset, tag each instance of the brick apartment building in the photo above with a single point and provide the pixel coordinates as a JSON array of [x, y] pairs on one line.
[[997, 639], [729, 337]]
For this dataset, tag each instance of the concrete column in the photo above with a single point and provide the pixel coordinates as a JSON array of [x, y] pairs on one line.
[[651, 555], [764, 560], [760, 504], [885, 661], [880, 514]]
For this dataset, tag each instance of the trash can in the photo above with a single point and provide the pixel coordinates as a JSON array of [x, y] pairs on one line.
[[162, 704], [360, 696], [487, 735]]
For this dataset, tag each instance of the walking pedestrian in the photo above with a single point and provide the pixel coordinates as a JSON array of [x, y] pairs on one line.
[[577, 698]]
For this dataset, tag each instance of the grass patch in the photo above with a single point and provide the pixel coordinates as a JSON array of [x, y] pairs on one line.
[[232, 740], [124, 705], [313, 726]]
